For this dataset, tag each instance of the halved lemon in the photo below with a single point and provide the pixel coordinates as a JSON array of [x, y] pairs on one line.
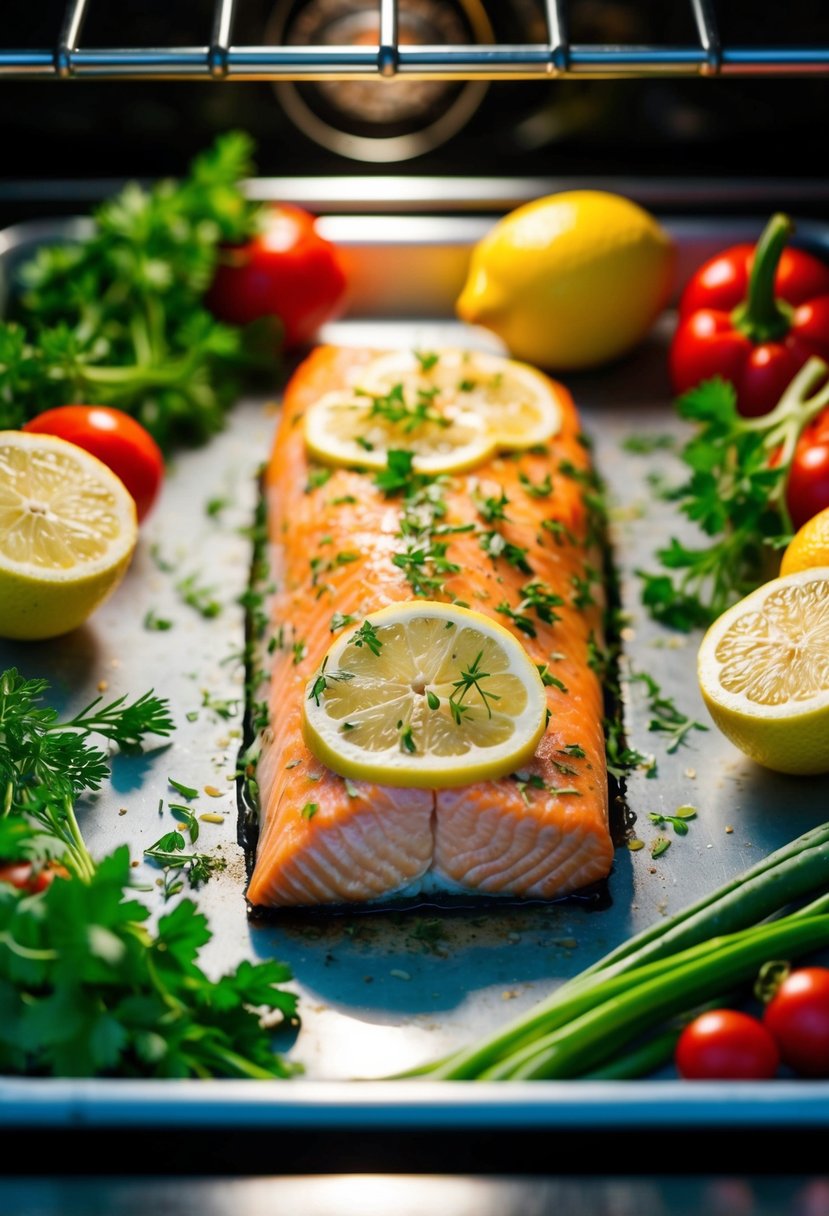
[[67, 533], [425, 694], [763, 670], [517, 404], [341, 429]]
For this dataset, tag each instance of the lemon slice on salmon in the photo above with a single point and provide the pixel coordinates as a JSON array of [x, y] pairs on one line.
[[764, 673], [517, 404], [425, 694], [361, 429], [67, 533]]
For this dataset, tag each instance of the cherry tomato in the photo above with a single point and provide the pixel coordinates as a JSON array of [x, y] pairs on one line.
[[807, 489], [30, 878], [118, 440], [288, 271], [726, 1045], [798, 1017]]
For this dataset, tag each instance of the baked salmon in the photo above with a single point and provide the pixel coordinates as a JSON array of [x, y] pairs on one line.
[[531, 559]]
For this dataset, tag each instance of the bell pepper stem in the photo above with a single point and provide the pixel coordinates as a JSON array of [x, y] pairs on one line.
[[762, 317]]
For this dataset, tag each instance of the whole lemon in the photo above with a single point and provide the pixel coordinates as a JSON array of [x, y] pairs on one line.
[[809, 547], [571, 280]]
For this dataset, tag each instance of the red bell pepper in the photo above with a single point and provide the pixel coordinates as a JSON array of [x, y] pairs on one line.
[[753, 316]]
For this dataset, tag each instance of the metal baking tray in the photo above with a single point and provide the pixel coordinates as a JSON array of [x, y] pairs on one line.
[[380, 992]]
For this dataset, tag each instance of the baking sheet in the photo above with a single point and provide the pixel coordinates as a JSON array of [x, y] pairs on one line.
[[380, 992]]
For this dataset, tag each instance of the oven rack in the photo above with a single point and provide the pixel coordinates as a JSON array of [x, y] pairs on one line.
[[220, 59]]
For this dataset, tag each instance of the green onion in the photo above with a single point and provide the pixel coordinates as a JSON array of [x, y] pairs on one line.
[[678, 965]]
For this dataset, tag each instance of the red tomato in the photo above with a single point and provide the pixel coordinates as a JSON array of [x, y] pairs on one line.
[[26, 877], [807, 490], [118, 440], [798, 1017], [726, 1045], [288, 271]]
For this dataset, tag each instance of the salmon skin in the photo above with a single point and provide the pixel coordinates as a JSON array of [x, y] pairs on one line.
[[332, 534]]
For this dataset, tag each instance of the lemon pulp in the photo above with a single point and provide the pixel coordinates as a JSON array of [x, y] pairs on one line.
[[352, 429], [67, 533], [516, 403], [764, 673], [425, 694]]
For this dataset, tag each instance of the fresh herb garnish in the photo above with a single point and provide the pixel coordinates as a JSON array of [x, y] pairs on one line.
[[426, 359], [199, 597], [153, 350], [678, 821], [665, 716], [339, 621], [155, 623], [492, 509], [318, 476], [735, 494], [495, 545], [407, 743], [471, 678], [366, 635], [536, 489]]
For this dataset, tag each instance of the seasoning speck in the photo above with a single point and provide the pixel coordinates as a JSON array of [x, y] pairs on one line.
[[122, 810], [728, 829], [103, 685]]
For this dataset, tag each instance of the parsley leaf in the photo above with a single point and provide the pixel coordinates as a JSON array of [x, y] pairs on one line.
[[735, 494]]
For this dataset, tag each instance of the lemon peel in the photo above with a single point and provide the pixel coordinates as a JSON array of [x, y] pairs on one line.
[[571, 280], [809, 547], [68, 531], [425, 694], [763, 670]]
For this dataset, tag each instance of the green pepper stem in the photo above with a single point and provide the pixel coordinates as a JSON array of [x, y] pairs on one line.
[[762, 317]]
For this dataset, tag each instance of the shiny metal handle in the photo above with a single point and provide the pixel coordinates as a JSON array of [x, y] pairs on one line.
[[557, 57]]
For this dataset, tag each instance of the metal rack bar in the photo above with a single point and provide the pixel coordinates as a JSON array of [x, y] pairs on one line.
[[387, 53], [220, 42], [557, 35], [220, 60]]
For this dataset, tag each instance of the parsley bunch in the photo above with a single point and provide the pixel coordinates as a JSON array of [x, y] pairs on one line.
[[736, 494], [119, 319], [86, 989]]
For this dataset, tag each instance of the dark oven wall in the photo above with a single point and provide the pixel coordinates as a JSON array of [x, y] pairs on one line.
[[728, 128]]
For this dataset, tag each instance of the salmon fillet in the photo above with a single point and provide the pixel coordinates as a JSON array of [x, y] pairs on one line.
[[332, 534]]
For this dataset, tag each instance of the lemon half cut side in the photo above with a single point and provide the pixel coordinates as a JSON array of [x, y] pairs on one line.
[[425, 694], [763, 670], [517, 404], [68, 531]]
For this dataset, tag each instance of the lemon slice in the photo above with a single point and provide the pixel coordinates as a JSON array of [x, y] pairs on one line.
[[518, 404], [425, 694], [763, 670], [352, 430], [67, 533]]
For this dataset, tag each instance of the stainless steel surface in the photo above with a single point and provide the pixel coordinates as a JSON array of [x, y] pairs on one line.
[[380, 992], [558, 58], [472, 196]]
